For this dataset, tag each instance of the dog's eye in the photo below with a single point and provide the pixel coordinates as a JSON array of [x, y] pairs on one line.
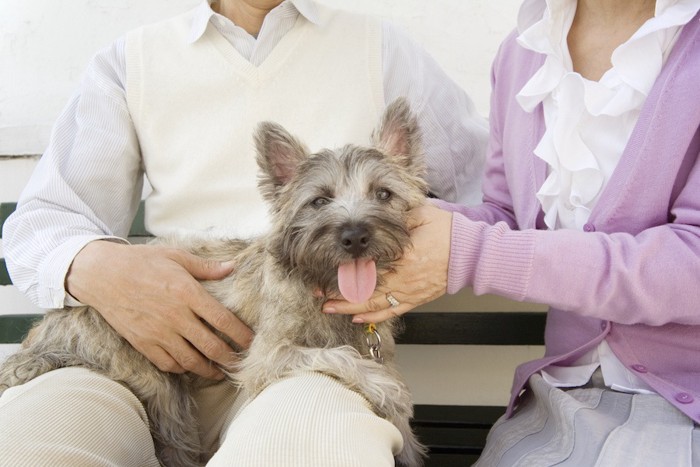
[[383, 194], [320, 201]]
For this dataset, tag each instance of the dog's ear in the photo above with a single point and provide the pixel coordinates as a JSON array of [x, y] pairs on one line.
[[279, 156], [398, 134]]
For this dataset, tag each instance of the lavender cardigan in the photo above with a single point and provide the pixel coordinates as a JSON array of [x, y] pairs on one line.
[[632, 276]]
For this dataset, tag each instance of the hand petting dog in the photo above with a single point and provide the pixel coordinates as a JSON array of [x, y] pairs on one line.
[[418, 278], [156, 302]]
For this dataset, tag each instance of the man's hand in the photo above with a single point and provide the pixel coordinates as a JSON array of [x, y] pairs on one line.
[[151, 296], [420, 276]]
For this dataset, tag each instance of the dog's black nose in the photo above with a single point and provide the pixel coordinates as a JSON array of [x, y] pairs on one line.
[[355, 239]]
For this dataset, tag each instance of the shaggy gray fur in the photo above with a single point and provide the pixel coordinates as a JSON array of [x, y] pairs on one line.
[[314, 198]]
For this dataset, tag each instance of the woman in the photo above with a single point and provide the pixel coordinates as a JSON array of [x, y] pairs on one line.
[[591, 205]]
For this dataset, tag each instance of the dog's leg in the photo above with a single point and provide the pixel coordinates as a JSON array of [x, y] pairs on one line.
[[81, 338], [48, 347], [171, 413], [23, 366]]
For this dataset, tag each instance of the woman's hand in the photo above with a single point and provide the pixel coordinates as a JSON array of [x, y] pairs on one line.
[[151, 296], [420, 276]]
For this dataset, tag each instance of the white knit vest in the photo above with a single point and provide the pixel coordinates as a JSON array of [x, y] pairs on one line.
[[195, 107]]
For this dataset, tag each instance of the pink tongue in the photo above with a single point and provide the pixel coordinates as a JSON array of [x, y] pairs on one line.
[[357, 279]]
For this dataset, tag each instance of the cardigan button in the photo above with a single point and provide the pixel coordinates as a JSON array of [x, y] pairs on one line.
[[603, 325], [684, 398], [639, 368], [589, 227]]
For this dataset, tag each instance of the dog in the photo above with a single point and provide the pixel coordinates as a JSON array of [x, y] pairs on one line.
[[339, 222]]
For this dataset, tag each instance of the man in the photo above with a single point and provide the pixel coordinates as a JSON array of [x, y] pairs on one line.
[[176, 102]]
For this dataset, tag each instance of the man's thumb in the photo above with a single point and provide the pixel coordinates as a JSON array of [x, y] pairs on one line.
[[207, 269]]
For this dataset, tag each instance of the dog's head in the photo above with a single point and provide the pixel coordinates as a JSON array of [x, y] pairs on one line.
[[339, 216]]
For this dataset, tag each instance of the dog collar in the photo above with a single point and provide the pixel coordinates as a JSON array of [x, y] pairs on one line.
[[374, 342]]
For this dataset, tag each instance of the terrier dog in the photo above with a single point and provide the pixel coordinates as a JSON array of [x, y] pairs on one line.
[[339, 222]]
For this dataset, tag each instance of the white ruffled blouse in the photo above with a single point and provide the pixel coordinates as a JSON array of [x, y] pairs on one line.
[[588, 123]]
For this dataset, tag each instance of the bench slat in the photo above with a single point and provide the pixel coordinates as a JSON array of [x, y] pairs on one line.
[[478, 416], [5, 210], [455, 435], [450, 460], [457, 328], [474, 328], [138, 227], [14, 328], [4, 275]]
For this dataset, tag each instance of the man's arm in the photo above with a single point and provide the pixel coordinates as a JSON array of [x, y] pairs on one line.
[[455, 136], [65, 244]]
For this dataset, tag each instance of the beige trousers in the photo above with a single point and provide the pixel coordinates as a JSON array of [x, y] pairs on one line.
[[75, 417]]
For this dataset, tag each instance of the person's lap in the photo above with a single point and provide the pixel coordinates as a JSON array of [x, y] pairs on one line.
[[592, 426], [71, 417], [309, 419], [77, 417]]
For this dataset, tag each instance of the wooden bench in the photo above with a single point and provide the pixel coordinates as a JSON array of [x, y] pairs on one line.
[[455, 434]]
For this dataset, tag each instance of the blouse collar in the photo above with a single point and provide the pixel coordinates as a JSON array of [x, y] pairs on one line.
[[636, 63], [532, 11]]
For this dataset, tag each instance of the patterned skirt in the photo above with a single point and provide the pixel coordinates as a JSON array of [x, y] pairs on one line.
[[592, 426]]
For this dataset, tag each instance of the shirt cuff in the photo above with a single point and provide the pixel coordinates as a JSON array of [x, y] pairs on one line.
[[466, 237], [53, 271], [490, 258]]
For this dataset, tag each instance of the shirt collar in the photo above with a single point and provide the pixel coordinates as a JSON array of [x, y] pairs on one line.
[[532, 11], [308, 9], [203, 14]]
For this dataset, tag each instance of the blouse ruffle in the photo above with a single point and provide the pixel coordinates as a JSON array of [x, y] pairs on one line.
[[588, 123]]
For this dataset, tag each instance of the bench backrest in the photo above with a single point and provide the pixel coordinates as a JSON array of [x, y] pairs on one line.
[[425, 327]]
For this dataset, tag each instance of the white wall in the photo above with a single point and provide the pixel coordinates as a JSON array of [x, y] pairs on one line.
[[46, 44]]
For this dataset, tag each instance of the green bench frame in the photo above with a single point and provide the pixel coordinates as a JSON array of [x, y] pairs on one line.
[[454, 434]]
